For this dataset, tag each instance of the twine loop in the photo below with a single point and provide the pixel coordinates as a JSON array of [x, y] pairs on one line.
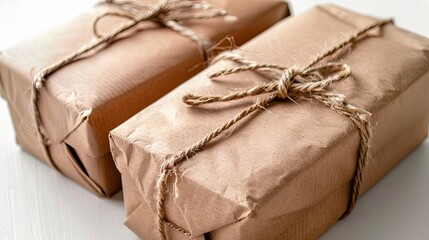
[[289, 84], [169, 13]]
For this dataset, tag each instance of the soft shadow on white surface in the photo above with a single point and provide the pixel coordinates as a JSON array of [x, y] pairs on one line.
[[37, 202], [396, 208]]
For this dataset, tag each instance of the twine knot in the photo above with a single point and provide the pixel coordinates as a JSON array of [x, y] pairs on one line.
[[285, 82], [169, 13]]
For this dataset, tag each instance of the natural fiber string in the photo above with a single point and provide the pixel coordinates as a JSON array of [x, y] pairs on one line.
[[167, 12], [310, 82]]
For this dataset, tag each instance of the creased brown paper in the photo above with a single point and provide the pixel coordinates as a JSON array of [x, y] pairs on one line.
[[285, 172], [83, 101]]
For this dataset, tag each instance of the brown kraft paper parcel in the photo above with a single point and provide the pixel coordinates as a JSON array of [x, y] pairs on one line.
[[84, 100], [284, 172]]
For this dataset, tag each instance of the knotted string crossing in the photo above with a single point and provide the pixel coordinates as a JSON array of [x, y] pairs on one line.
[[289, 83], [169, 13]]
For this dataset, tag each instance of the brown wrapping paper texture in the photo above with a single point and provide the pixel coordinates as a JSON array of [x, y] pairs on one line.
[[284, 172], [83, 101]]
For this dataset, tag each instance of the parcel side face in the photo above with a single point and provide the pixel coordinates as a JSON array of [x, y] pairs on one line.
[[84, 100]]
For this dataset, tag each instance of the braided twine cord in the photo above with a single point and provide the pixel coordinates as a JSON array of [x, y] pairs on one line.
[[169, 13], [289, 83]]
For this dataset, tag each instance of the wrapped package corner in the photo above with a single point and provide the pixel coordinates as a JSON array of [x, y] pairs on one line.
[[84, 100], [284, 173]]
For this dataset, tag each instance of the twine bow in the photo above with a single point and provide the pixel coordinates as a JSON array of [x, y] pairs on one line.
[[169, 13], [291, 83], [288, 83]]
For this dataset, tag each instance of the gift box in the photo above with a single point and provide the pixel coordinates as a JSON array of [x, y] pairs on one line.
[[294, 166], [83, 100]]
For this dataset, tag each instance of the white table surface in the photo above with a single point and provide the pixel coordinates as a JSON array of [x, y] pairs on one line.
[[38, 203]]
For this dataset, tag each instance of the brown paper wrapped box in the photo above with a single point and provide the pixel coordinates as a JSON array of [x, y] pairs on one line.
[[283, 173], [84, 100]]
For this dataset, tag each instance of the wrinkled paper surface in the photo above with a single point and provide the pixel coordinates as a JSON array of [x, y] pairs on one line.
[[284, 172], [83, 101]]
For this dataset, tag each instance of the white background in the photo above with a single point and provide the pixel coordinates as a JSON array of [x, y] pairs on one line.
[[38, 203]]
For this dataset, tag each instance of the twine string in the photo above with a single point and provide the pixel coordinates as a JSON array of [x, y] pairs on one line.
[[170, 13], [288, 83]]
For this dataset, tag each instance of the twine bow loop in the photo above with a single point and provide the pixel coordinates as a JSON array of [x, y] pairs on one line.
[[289, 82], [169, 13]]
